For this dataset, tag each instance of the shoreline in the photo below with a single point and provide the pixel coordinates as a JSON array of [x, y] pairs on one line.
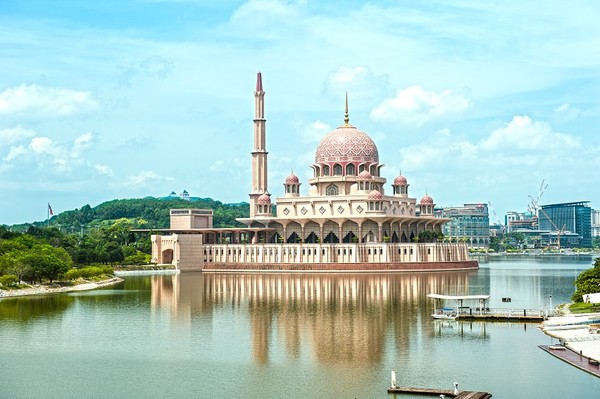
[[42, 289]]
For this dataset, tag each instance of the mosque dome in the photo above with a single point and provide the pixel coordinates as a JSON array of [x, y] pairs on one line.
[[264, 199], [346, 144], [426, 200], [400, 181], [364, 175], [374, 195], [292, 179]]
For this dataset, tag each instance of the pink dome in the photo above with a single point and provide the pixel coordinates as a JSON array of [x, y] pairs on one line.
[[346, 144], [292, 179], [426, 200], [364, 175], [400, 181], [374, 195], [264, 199]]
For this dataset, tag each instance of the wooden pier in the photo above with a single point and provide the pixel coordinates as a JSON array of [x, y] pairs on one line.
[[437, 392], [575, 359]]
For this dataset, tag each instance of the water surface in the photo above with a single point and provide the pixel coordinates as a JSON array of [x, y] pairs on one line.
[[287, 335]]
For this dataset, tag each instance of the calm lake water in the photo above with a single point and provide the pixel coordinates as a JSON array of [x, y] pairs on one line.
[[287, 335]]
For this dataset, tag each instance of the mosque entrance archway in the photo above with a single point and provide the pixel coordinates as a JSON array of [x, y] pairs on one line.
[[167, 256]]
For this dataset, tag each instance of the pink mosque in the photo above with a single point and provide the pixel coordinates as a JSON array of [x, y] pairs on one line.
[[346, 222]]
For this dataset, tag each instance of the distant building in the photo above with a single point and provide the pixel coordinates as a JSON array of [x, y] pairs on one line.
[[595, 223], [516, 221], [573, 217], [469, 223]]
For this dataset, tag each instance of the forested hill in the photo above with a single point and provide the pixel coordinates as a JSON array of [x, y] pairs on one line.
[[148, 213]]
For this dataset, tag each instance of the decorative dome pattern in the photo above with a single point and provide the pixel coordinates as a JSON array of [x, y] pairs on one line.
[[364, 175], [346, 144], [292, 179], [426, 200], [375, 195], [400, 181], [264, 199]]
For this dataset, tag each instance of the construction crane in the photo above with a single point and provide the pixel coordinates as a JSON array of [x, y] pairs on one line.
[[559, 232], [494, 212], [535, 208]]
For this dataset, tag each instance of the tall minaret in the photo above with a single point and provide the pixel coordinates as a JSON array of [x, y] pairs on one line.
[[259, 153]]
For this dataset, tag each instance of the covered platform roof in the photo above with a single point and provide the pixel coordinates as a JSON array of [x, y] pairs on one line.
[[459, 297]]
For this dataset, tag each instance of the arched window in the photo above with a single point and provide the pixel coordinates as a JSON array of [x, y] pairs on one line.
[[361, 168], [337, 169], [326, 170], [373, 170], [350, 170], [332, 189]]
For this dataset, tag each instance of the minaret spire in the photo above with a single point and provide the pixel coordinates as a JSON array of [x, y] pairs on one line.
[[259, 86], [259, 150]]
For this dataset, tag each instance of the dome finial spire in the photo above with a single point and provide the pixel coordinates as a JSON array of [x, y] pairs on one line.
[[346, 116]]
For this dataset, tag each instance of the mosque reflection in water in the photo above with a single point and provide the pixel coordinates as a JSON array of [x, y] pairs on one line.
[[344, 318]]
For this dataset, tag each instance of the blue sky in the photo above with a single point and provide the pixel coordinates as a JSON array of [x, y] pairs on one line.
[[473, 101]]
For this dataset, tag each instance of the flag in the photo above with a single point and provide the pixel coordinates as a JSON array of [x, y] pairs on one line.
[[50, 212]]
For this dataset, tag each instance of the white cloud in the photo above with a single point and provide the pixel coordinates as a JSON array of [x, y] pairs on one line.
[[522, 133], [261, 13], [84, 139], [315, 131], [567, 112], [358, 81], [154, 67], [15, 152], [415, 105], [217, 165], [39, 101], [145, 178], [44, 151], [14, 135], [104, 169], [437, 150]]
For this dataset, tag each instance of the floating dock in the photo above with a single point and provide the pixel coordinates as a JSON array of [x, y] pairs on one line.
[[437, 392], [507, 315]]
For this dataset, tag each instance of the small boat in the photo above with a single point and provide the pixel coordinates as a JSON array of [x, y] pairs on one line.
[[557, 347], [444, 314]]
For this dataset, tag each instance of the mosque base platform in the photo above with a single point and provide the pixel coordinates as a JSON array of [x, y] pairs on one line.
[[339, 267]]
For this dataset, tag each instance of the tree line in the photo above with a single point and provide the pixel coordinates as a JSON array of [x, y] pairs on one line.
[[101, 235]]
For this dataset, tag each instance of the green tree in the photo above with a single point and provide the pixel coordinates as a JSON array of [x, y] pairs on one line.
[[588, 282]]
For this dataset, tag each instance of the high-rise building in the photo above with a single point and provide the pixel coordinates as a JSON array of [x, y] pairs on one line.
[[595, 223], [574, 217], [469, 223]]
